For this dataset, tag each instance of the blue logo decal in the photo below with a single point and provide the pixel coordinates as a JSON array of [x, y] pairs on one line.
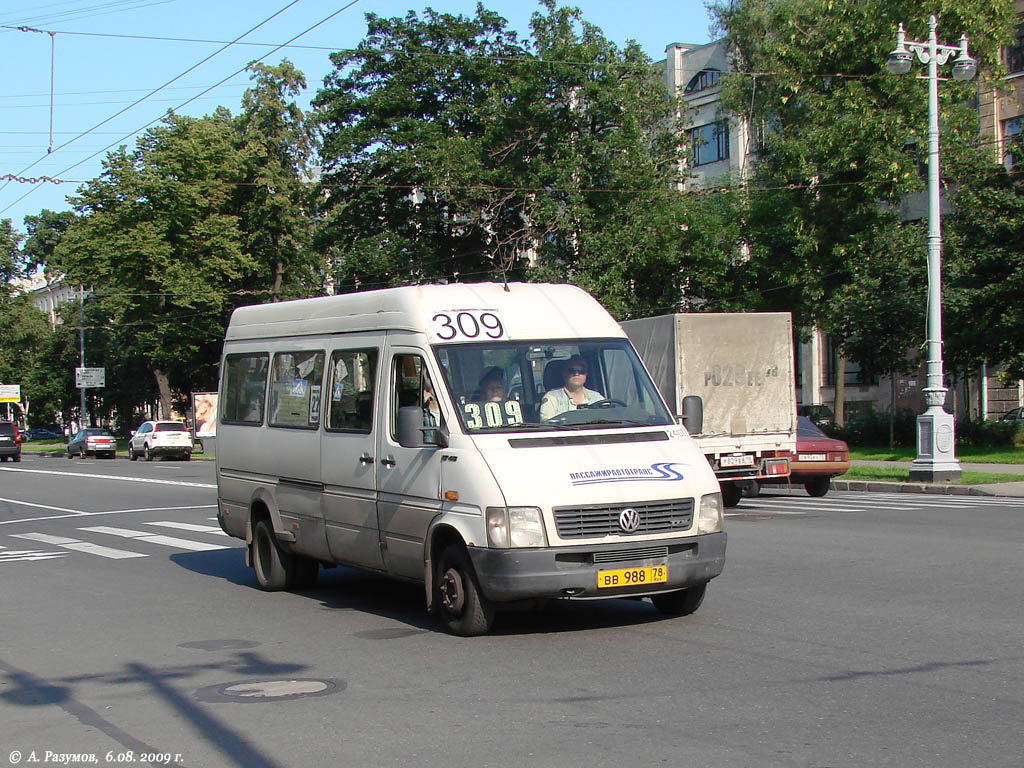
[[662, 470]]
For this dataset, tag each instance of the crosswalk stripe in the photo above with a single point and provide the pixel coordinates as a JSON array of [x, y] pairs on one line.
[[167, 541], [23, 555], [190, 527], [80, 546]]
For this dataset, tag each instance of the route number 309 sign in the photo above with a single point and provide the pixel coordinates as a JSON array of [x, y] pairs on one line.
[[467, 325]]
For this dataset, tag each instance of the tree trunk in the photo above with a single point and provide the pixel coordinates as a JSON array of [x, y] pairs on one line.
[[275, 292], [164, 388], [837, 406]]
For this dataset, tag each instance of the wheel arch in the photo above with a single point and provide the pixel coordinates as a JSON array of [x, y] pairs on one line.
[[441, 533]]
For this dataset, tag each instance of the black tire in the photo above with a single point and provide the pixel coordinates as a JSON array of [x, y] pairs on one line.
[[70, 454], [131, 454], [3, 458], [16, 457], [731, 494], [187, 457], [146, 453], [682, 602], [274, 567], [462, 606], [818, 487], [305, 572]]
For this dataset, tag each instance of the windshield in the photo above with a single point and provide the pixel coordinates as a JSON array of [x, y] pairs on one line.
[[528, 386]]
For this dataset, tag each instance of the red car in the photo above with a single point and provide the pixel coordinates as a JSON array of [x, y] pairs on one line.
[[818, 458]]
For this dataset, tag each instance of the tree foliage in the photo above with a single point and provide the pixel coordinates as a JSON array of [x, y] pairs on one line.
[[843, 144], [453, 149]]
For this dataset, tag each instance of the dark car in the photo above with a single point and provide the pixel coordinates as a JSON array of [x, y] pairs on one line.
[[819, 414], [92, 441], [1016, 416], [40, 433], [10, 442]]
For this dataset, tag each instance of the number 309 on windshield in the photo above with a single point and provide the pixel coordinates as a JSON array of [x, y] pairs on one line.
[[467, 325]]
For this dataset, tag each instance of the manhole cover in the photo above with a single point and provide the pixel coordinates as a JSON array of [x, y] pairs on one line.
[[268, 690]]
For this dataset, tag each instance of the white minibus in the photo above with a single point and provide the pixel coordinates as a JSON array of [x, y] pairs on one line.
[[501, 444]]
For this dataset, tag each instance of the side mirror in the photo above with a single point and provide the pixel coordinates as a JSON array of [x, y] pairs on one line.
[[693, 414], [412, 433]]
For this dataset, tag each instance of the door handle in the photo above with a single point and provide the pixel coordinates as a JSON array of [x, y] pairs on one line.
[[388, 461], [366, 459]]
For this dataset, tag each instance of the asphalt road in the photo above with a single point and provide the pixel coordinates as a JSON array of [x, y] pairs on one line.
[[856, 630]]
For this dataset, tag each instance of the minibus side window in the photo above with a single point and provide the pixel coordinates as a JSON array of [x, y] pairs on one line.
[[244, 389], [295, 389], [412, 388], [350, 390]]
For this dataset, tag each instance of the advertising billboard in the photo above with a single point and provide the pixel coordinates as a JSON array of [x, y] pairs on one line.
[[204, 410]]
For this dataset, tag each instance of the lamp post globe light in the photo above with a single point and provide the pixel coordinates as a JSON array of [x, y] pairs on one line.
[[936, 459]]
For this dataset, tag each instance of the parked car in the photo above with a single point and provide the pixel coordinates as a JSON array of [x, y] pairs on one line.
[[92, 441], [161, 438], [40, 433], [1016, 416], [10, 442], [817, 460]]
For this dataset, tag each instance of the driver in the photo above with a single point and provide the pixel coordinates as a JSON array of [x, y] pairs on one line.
[[572, 394]]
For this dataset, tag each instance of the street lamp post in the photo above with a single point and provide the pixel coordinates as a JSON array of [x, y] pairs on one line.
[[936, 458]]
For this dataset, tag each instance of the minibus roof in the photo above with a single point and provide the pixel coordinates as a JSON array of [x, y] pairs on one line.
[[526, 311]]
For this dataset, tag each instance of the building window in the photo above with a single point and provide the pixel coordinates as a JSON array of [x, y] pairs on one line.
[[710, 142], [1014, 55], [1012, 135], [706, 78]]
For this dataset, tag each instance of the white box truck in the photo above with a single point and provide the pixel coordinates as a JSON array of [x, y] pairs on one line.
[[741, 366]]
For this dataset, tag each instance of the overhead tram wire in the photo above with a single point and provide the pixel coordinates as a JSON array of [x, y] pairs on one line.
[[189, 101], [140, 100]]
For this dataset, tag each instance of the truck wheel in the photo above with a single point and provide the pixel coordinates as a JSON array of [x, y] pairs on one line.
[[273, 566], [463, 608], [682, 602], [818, 487], [730, 494]]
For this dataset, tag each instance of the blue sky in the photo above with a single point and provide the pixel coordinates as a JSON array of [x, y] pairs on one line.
[[101, 67]]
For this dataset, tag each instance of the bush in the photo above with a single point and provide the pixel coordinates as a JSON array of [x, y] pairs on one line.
[[872, 428], [989, 434]]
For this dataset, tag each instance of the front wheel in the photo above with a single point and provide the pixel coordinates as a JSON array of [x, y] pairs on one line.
[[818, 487], [131, 454], [730, 494], [463, 607], [682, 602], [273, 566]]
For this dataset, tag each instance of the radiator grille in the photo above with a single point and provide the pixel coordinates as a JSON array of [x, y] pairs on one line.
[[596, 520], [647, 553]]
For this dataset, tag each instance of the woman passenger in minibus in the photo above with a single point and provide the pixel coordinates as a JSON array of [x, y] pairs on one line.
[[572, 393], [492, 386]]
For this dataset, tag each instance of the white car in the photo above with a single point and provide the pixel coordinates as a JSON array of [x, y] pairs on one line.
[[160, 438]]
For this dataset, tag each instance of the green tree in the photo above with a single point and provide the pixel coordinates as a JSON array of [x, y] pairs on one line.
[[452, 149], [843, 141]]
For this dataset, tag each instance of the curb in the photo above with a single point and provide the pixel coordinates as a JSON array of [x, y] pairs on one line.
[[883, 487]]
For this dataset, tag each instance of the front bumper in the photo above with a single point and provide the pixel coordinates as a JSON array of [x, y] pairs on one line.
[[571, 572]]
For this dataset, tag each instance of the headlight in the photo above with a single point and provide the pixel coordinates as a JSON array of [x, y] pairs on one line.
[[710, 518], [515, 527]]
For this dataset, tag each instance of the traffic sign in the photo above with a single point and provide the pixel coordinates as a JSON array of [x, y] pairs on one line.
[[10, 393], [90, 377]]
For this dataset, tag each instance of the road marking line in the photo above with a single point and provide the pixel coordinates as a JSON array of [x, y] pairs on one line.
[[80, 475], [189, 527], [167, 541], [26, 555], [79, 546], [44, 506], [108, 512]]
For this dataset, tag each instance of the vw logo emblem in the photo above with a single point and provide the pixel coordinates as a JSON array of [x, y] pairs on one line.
[[629, 520]]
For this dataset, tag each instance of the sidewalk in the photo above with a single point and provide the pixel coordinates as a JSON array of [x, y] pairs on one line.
[[986, 489]]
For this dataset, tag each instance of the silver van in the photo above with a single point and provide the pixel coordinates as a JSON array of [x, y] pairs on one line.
[[500, 444]]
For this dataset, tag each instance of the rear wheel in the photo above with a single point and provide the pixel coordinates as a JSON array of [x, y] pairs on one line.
[[15, 457], [463, 608], [273, 566], [730, 494], [818, 486], [682, 602], [147, 454]]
